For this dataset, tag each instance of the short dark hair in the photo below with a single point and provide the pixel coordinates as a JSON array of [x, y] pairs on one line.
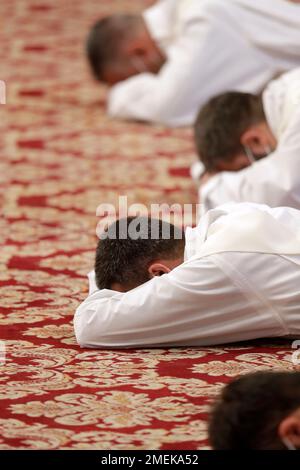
[[124, 257], [250, 409], [221, 123], [105, 39]]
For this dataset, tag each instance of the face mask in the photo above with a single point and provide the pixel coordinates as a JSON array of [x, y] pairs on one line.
[[254, 158], [288, 444], [139, 64]]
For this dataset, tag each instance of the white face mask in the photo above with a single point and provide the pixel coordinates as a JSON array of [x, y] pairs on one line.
[[252, 158], [139, 64], [288, 444]]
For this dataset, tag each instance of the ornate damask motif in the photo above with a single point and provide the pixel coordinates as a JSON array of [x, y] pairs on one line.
[[61, 156]]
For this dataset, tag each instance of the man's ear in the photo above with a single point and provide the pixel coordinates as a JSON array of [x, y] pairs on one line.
[[135, 47], [256, 139], [289, 429], [158, 269]]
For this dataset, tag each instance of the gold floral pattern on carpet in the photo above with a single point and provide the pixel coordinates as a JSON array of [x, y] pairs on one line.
[[61, 156]]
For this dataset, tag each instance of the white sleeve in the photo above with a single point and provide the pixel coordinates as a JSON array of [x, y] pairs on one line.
[[273, 180], [195, 304], [195, 71], [165, 98]]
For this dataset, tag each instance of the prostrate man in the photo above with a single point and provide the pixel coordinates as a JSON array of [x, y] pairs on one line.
[[258, 411], [179, 53], [235, 130], [234, 277]]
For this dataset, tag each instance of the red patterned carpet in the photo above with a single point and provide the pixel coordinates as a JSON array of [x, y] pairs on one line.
[[61, 157]]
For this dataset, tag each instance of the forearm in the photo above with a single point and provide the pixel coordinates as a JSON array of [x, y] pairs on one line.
[[196, 304], [150, 315]]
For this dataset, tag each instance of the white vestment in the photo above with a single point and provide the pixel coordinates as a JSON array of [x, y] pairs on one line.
[[274, 180], [239, 281], [212, 46]]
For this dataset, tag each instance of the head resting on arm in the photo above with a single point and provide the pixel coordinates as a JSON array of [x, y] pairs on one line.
[[135, 249], [120, 46], [259, 411], [231, 132]]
